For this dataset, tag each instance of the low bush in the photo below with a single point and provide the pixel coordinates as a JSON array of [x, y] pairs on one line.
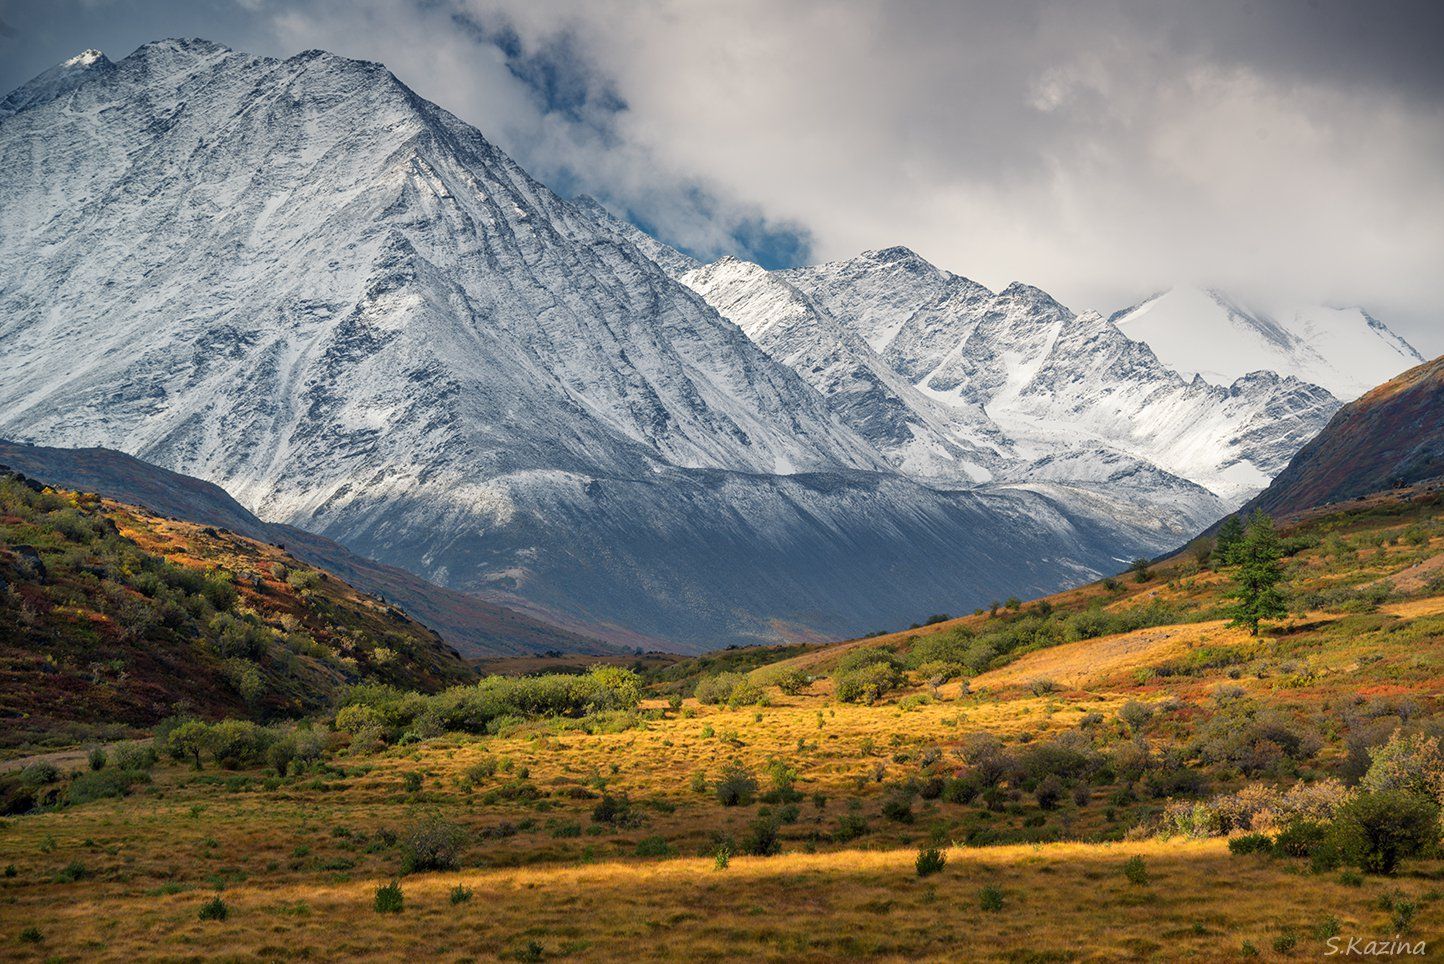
[[431, 843], [1376, 831], [214, 909], [930, 861], [389, 899], [736, 786]]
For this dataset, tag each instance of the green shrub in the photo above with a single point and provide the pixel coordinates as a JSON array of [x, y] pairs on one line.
[[866, 684], [71, 872], [1135, 870], [990, 899], [460, 894], [389, 899], [1250, 843], [101, 784], [1375, 831], [214, 909], [431, 843], [736, 786], [898, 805], [762, 838], [792, 681], [714, 690], [1301, 838], [653, 847], [39, 774], [96, 758], [134, 756], [614, 810], [930, 861]]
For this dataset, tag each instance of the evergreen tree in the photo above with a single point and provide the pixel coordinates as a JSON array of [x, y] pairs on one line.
[[1230, 534], [1256, 580]]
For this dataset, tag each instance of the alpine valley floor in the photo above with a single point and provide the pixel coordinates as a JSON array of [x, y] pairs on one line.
[[1049, 780]]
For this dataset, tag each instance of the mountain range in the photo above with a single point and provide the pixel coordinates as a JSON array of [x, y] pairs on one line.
[[302, 282]]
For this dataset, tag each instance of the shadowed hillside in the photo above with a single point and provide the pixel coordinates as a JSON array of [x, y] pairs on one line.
[[476, 627], [1394, 435]]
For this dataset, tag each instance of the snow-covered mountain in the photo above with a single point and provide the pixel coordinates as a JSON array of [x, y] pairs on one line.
[[1205, 332], [1043, 395], [299, 280]]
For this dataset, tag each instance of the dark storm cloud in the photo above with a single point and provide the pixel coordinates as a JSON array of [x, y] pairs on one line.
[[1102, 149]]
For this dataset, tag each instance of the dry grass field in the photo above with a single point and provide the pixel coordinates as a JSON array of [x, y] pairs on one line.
[[598, 837]]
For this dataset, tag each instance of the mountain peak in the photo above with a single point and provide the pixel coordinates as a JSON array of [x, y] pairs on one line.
[[1208, 332], [58, 81]]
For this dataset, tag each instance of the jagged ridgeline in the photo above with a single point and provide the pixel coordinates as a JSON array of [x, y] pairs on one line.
[[112, 617], [347, 307]]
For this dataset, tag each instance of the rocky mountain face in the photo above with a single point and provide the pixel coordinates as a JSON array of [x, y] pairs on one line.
[[1391, 436], [300, 281], [1013, 386]]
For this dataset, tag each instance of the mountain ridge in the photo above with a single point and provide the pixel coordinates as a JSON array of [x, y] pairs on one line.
[[298, 280]]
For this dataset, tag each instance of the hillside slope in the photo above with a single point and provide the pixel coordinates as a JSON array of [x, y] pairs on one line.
[[477, 628], [1393, 435], [112, 616]]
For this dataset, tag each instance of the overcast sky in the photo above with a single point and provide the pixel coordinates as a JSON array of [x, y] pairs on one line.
[[1290, 152]]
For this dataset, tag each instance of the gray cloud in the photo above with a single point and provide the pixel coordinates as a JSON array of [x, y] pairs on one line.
[[1101, 149]]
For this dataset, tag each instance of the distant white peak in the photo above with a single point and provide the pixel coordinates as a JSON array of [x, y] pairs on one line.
[[84, 59], [1200, 331], [56, 82]]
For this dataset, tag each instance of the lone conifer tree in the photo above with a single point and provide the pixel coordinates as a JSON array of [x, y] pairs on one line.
[[1230, 534], [1256, 581]]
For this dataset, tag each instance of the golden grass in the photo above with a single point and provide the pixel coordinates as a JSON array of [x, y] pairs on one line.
[[299, 862], [1068, 900]]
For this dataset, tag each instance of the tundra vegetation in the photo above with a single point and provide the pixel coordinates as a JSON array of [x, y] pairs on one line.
[[1101, 774]]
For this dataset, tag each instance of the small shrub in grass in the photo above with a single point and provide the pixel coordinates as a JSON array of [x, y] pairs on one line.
[[481, 771], [1351, 878], [898, 806], [653, 847], [930, 861], [389, 899], [990, 899], [762, 839], [214, 909], [97, 758], [1250, 843], [613, 810], [460, 894], [736, 787], [31, 935], [71, 872], [432, 843], [1135, 870], [411, 782], [39, 774], [1285, 942], [850, 826], [1375, 831], [1048, 792], [1301, 838], [1326, 928], [722, 856]]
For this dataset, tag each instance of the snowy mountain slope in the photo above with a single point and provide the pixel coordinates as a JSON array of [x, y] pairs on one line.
[[668, 258], [1076, 400], [1204, 332], [919, 436], [57, 82], [300, 281]]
